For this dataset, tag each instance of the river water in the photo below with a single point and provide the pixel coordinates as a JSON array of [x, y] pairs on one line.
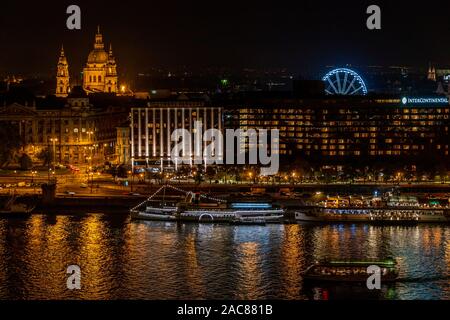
[[123, 259]]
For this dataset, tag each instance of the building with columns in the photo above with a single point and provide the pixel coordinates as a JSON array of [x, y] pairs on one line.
[[123, 143], [78, 129], [152, 126], [100, 73]]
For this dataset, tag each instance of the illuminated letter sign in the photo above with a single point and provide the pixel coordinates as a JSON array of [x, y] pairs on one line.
[[438, 100]]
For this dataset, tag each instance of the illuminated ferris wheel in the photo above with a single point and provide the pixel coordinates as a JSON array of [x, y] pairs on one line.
[[343, 81]]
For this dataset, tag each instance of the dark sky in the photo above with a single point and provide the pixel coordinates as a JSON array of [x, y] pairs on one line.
[[303, 36]]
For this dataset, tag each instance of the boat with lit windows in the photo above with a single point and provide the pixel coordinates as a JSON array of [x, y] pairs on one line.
[[202, 208], [229, 212], [393, 210], [248, 221], [350, 271]]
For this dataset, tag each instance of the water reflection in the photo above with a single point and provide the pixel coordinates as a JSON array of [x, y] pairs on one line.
[[121, 259]]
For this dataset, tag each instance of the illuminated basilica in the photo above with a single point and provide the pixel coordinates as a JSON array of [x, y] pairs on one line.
[[99, 74]]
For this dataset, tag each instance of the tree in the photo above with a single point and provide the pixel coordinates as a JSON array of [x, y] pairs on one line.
[[11, 143], [25, 162], [198, 178], [113, 172], [122, 171], [210, 173], [440, 171], [44, 156]]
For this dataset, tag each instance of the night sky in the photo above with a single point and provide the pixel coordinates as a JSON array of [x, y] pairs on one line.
[[303, 36]]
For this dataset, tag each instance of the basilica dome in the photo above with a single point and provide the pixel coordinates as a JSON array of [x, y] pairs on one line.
[[98, 56], [100, 73]]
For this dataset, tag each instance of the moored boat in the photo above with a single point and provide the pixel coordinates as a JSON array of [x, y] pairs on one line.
[[198, 208], [248, 221], [395, 210], [12, 208], [154, 214], [17, 209]]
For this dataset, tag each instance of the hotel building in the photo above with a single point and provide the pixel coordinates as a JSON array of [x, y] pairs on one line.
[[153, 124], [326, 129], [348, 127]]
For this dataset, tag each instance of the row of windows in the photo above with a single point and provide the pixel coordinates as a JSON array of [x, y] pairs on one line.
[[358, 153], [347, 111], [351, 129], [95, 78], [274, 118], [372, 147]]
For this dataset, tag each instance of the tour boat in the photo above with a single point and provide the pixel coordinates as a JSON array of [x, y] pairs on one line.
[[198, 208], [396, 210], [230, 212], [350, 271]]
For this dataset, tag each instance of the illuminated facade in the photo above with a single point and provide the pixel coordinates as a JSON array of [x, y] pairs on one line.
[[62, 76], [326, 129], [100, 73], [349, 127], [76, 130], [152, 126], [123, 144]]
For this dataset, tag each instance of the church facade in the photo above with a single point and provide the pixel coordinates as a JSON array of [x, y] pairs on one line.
[[62, 76], [99, 73]]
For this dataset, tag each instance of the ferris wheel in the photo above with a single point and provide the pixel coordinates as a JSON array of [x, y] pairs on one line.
[[343, 81]]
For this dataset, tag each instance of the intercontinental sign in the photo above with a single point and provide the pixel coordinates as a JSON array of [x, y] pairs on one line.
[[436, 100]]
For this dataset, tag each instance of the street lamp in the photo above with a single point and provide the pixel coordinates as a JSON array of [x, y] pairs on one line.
[[92, 180], [90, 133], [54, 140], [33, 173], [132, 177], [294, 176]]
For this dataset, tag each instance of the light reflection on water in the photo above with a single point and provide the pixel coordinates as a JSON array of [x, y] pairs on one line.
[[121, 259]]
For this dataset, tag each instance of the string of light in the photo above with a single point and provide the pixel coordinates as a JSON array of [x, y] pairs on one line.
[[179, 190]]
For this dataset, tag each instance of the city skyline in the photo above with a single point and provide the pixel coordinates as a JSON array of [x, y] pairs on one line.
[[225, 153]]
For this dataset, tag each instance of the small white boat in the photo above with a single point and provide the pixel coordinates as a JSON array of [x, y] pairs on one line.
[[155, 214], [17, 209], [307, 214]]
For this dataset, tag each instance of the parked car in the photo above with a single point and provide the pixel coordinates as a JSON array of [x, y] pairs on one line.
[[83, 185]]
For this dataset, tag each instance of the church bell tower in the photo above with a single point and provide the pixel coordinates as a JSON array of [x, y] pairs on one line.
[[62, 76]]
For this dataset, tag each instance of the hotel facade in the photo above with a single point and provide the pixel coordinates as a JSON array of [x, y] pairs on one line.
[[151, 127], [351, 127], [326, 129]]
